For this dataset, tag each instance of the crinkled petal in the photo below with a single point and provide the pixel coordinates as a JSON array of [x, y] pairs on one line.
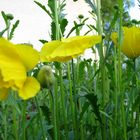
[[67, 49], [12, 70], [3, 93], [74, 46], [29, 89], [47, 50], [28, 55]]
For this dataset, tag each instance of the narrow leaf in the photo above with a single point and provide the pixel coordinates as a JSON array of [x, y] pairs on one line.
[[44, 8], [13, 29]]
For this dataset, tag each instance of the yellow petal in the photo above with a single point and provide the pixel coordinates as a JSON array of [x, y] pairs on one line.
[[28, 55], [3, 93], [130, 45], [12, 70], [74, 46], [67, 49], [47, 50], [29, 89]]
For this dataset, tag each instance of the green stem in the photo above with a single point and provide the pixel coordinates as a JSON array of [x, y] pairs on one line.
[[102, 66], [24, 119], [58, 37], [5, 120], [40, 118], [64, 110], [54, 117], [76, 107], [15, 123], [8, 30], [57, 21], [72, 103], [56, 111], [120, 90], [116, 94]]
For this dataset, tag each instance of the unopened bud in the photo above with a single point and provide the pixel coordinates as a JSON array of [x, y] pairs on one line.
[[9, 16], [46, 77], [81, 16], [134, 21]]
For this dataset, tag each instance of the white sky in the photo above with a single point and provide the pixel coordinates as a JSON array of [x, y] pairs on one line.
[[135, 11], [35, 23]]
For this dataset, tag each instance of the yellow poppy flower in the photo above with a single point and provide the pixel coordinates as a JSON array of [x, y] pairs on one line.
[[15, 61], [131, 41], [67, 49]]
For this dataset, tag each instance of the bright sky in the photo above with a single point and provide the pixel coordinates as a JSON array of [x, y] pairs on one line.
[[135, 11], [35, 24]]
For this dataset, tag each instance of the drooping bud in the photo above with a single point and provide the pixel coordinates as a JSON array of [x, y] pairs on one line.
[[80, 16], [9, 16], [46, 77]]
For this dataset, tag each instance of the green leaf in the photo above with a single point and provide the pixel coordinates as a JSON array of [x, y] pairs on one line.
[[81, 70], [63, 25], [53, 31], [13, 29], [94, 104], [51, 4], [92, 27], [44, 8], [92, 5], [43, 41], [84, 109], [46, 112], [73, 29], [5, 18]]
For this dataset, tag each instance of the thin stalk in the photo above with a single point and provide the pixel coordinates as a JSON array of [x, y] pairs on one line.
[[40, 118], [8, 30], [24, 119], [54, 117], [120, 2], [81, 124], [116, 94], [58, 37], [72, 103], [64, 111], [102, 66], [56, 111], [57, 21], [120, 90], [15, 124], [5, 121], [133, 90], [76, 107]]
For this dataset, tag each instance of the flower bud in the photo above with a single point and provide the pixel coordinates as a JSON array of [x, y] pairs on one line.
[[9, 16], [46, 77], [80, 16]]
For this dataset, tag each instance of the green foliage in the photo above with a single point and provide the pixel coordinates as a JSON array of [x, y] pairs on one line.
[[88, 101], [94, 103], [10, 31], [13, 29]]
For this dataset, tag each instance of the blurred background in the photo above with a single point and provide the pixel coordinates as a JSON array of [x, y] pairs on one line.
[[35, 23]]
